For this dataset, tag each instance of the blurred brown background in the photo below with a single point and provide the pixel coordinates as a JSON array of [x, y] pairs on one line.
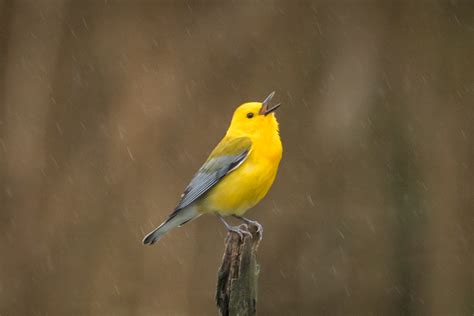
[[108, 107]]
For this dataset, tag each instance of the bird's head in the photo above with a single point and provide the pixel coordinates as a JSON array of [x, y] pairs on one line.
[[254, 118]]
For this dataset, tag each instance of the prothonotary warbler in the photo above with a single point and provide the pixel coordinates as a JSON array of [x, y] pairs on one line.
[[237, 174]]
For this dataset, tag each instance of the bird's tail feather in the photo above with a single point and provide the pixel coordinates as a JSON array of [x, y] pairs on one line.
[[176, 219]]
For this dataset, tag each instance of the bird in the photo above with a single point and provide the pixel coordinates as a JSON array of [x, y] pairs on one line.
[[237, 174]]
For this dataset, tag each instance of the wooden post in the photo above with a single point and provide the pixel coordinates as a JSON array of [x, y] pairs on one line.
[[236, 292]]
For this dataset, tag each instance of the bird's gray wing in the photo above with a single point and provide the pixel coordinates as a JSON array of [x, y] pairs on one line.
[[226, 157]]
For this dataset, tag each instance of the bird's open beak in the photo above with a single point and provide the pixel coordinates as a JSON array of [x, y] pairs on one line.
[[266, 108]]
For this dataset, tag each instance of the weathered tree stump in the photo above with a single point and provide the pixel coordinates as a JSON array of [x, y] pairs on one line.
[[236, 292]]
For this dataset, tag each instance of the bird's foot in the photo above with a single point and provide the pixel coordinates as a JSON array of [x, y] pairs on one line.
[[241, 230], [258, 226]]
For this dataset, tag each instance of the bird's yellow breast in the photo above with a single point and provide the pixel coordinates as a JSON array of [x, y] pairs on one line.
[[249, 183]]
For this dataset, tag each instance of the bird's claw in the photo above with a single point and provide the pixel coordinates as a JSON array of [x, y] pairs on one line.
[[241, 230], [259, 228]]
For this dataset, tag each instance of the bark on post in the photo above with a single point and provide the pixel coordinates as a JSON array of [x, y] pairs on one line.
[[236, 292]]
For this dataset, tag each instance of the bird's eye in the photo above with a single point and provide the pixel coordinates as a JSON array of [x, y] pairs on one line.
[[249, 115]]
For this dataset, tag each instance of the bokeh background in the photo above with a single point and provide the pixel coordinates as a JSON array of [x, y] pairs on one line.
[[108, 107]]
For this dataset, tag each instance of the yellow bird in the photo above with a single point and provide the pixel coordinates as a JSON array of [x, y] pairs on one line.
[[237, 174]]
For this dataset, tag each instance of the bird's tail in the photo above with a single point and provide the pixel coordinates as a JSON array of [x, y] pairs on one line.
[[177, 218]]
